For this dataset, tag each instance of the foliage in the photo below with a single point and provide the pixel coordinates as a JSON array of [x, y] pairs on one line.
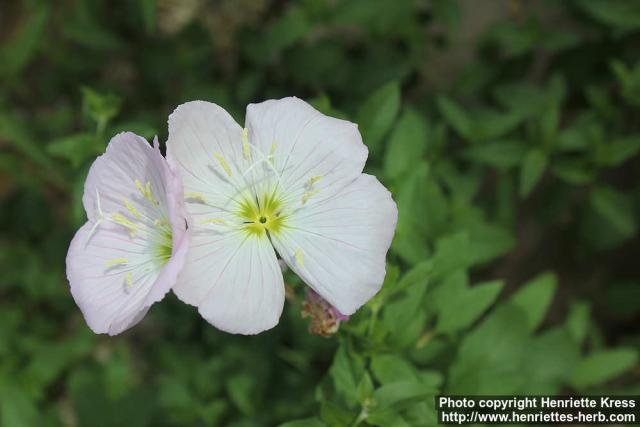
[[507, 132]]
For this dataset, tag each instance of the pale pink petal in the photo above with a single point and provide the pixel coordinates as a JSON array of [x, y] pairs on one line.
[[205, 145], [338, 246], [113, 266], [313, 155], [234, 279]]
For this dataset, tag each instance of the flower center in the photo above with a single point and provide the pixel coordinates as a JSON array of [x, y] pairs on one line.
[[261, 215]]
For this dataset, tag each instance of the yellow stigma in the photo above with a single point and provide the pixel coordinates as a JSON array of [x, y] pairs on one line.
[[193, 195], [246, 148], [262, 215], [299, 256], [223, 163], [146, 191], [116, 261], [118, 218], [272, 150], [132, 208]]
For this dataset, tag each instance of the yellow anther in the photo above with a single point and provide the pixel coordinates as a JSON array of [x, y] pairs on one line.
[[299, 257], [272, 150], [128, 278], [118, 218], [311, 182], [193, 195], [146, 191], [223, 163], [132, 208], [308, 194], [116, 261], [246, 148], [213, 221]]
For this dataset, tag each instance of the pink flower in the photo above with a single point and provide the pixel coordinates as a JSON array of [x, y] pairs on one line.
[[129, 253], [288, 185]]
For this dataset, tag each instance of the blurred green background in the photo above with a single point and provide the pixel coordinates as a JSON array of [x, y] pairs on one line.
[[508, 132]]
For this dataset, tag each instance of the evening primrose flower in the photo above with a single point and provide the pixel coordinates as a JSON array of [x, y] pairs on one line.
[[291, 185], [128, 254]]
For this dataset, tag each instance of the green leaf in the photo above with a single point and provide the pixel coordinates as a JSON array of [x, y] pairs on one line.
[[501, 154], [386, 418], [403, 317], [406, 145], [397, 392], [490, 358], [377, 114], [603, 366], [149, 10], [622, 14], [616, 209], [534, 297], [457, 118], [452, 253], [550, 360], [388, 368], [365, 388], [17, 409], [489, 241], [619, 150], [239, 389], [21, 48], [574, 172], [578, 321], [346, 372], [100, 107], [335, 415], [459, 305], [76, 148], [416, 195], [533, 166], [307, 422]]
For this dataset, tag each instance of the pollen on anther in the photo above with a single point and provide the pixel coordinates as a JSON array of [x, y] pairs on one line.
[[129, 280], [118, 218], [132, 208], [213, 221], [299, 257], [246, 148], [146, 191], [116, 261], [223, 163], [307, 195], [312, 181], [195, 196]]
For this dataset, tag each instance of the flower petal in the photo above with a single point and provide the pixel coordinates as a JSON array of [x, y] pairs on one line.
[[338, 246], [234, 279], [110, 300], [205, 144], [314, 155], [113, 271]]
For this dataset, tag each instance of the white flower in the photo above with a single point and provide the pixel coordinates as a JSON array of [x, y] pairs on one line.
[[128, 254], [290, 182]]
